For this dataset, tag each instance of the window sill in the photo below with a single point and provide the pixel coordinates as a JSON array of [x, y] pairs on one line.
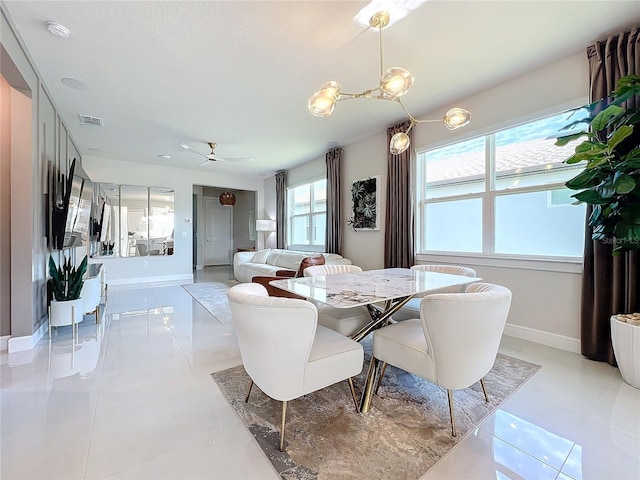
[[546, 264]]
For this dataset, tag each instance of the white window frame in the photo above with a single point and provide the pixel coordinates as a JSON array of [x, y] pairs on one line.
[[307, 247], [488, 256]]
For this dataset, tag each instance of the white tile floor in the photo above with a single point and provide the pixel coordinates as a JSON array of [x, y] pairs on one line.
[[135, 400]]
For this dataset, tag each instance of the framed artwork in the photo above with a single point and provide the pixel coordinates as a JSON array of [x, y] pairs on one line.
[[365, 196]]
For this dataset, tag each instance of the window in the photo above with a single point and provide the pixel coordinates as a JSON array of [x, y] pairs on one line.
[[307, 214], [502, 194]]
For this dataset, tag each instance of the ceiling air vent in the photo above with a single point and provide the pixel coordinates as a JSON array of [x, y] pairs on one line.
[[90, 120]]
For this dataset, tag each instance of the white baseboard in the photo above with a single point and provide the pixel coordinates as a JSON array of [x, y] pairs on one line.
[[184, 278], [19, 344], [544, 338], [4, 342]]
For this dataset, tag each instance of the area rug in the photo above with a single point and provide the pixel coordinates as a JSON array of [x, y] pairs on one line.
[[213, 297], [404, 434]]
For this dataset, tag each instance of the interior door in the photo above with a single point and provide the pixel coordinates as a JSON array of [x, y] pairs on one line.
[[218, 242]]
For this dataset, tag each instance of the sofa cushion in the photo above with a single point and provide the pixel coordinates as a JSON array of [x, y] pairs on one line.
[[285, 258], [309, 262], [261, 256]]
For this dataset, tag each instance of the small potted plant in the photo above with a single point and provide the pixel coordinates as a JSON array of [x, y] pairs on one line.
[[610, 183], [66, 284]]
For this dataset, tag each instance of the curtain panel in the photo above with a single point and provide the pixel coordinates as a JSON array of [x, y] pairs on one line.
[[333, 236], [609, 283], [399, 221], [281, 209]]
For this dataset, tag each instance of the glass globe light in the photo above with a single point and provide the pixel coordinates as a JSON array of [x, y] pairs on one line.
[[321, 105], [399, 143], [331, 89], [456, 118], [395, 82]]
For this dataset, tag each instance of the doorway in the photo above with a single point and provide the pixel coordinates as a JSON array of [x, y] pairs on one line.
[[218, 233]]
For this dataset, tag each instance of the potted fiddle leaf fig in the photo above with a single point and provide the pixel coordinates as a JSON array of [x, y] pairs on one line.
[[610, 181], [66, 284]]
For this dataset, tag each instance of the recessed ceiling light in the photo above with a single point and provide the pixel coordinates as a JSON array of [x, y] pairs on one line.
[[58, 29], [163, 156], [94, 149], [76, 84]]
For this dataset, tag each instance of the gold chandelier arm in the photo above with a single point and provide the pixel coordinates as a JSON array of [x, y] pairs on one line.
[[381, 51]]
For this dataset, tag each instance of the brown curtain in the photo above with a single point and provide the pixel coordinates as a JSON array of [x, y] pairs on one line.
[[398, 235], [333, 236], [281, 209], [609, 283]]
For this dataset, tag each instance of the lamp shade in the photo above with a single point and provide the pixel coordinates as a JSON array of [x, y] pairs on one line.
[[266, 225], [399, 143], [227, 199], [456, 118]]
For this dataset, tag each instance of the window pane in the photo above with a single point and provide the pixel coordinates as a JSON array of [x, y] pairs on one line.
[[455, 169], [454, 226], [526, 155], [300, 230], [319, 228], [301, 199], [320, 196], [539, 223]]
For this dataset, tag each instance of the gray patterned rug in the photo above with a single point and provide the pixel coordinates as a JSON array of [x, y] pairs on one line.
[[213, 297], [404, 434]]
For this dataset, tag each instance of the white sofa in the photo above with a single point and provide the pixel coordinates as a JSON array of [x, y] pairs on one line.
[[267, 262]]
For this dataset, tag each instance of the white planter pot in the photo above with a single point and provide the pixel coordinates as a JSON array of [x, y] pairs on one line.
[[61, 312], [626, 346]]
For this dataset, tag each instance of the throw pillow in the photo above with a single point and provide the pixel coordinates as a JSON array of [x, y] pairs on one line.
[[308, 262], [261, 256]]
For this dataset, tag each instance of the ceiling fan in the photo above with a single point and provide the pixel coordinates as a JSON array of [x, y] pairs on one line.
[[212, 157]]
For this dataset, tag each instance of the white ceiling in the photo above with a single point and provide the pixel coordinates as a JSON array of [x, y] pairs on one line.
[[239, 72]]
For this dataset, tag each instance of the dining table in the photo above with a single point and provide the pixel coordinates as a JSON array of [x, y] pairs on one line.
[[383, 292]]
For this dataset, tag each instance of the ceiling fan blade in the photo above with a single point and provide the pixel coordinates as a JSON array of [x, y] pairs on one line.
[[234, 159], [205, 162], [187, 147]]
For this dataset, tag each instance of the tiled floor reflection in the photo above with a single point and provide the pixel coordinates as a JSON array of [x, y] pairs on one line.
[[132, 398]]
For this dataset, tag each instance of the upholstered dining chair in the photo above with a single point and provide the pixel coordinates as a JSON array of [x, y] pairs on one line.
[[347, 321], [453, 344], [284, 350], [412, 308]]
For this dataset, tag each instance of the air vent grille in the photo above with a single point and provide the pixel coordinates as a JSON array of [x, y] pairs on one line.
[[91, 120]]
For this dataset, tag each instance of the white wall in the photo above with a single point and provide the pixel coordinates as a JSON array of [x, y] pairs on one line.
[[179, 265]]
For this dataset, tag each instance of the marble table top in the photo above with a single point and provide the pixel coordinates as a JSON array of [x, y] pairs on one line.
[[346, 290]]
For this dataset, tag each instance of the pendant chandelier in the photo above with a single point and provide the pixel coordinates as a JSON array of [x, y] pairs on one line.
[[394, 83], [227, 199]]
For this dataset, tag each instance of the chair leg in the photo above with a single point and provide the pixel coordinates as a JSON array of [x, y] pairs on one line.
[[382, 370], [484, 390], [453, 421], [284, 416], [353, 393], [246, 400]]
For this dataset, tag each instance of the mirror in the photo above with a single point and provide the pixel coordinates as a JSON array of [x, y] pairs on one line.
[[132, 221], [161, 221], [105, 226]]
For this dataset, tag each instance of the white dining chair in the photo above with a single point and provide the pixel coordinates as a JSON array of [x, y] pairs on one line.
[[284, 351], [453, 344], [347, 321], [412, 308]]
